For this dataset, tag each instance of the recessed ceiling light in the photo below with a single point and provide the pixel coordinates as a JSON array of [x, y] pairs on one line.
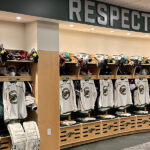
[[112, 31], [128, 33], [92, 29], [18, 18], [71, 25]]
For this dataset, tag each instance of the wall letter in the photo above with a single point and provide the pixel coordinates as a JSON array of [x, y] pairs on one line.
[[125, 18], [101, 9], [135, 27], [74, 10], [112, 15], [89, 11], [146, 16]]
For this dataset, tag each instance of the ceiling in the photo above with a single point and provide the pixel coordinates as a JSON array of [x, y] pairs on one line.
[[143, 5], [102, 30], [134, 4]]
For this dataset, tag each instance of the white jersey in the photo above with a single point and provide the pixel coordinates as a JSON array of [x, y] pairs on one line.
[[88, 95], [122, 93], [14, 101], [106, 94], [67, 97], [141, 95]]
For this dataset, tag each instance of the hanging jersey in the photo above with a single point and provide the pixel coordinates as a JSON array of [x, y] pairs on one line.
[[88, 95], [14, 101], [106, 94], [141, 95], [67, 97], [122, 93]]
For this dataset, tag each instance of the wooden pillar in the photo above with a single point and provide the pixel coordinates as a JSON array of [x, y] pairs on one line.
[[48, 84], [48, 99]]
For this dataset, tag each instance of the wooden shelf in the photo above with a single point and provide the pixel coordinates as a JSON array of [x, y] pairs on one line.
[[15, 78], [122, 76], [69, 77], [92, 77], [20, 61], [139, 76], [106, 76], [97, 72], [80, 77], [100, 77]]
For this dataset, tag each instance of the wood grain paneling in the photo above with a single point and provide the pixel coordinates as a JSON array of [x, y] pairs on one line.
[[48, 99]]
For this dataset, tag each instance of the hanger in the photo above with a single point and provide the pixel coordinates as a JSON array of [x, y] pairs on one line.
[[141, 78], [123, 78], [87, 78], [13, 80], [66, 79], [106, 78]]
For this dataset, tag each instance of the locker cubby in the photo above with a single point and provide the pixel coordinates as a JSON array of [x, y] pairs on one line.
[[70, 69], [91, 130], [125, 71], [70, 135], [110, 69], [141, 67], [138, 73], [110, 127], [127, 124], [93, 68], [143, 122]]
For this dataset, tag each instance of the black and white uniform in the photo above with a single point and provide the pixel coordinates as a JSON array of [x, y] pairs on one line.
[[67, 97], [88, 95], [106, 94], [122, 93], [14, 101], [141, 95]]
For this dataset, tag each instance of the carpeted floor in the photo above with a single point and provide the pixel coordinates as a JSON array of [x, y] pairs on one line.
[[131, 142]]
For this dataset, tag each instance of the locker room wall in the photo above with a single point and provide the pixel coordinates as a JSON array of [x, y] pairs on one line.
[[12, 35], [77, 41], [22, 36], [30, 35]]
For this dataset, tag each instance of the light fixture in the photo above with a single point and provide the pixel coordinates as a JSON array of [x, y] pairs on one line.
[[71, 25], [92, 29], [112, 31], [128, 33], [18, 18]]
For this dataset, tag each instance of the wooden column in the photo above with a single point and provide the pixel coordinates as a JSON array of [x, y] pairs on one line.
[[48, 99]]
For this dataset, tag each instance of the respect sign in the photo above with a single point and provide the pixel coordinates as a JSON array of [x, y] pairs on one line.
[[101, 14]]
